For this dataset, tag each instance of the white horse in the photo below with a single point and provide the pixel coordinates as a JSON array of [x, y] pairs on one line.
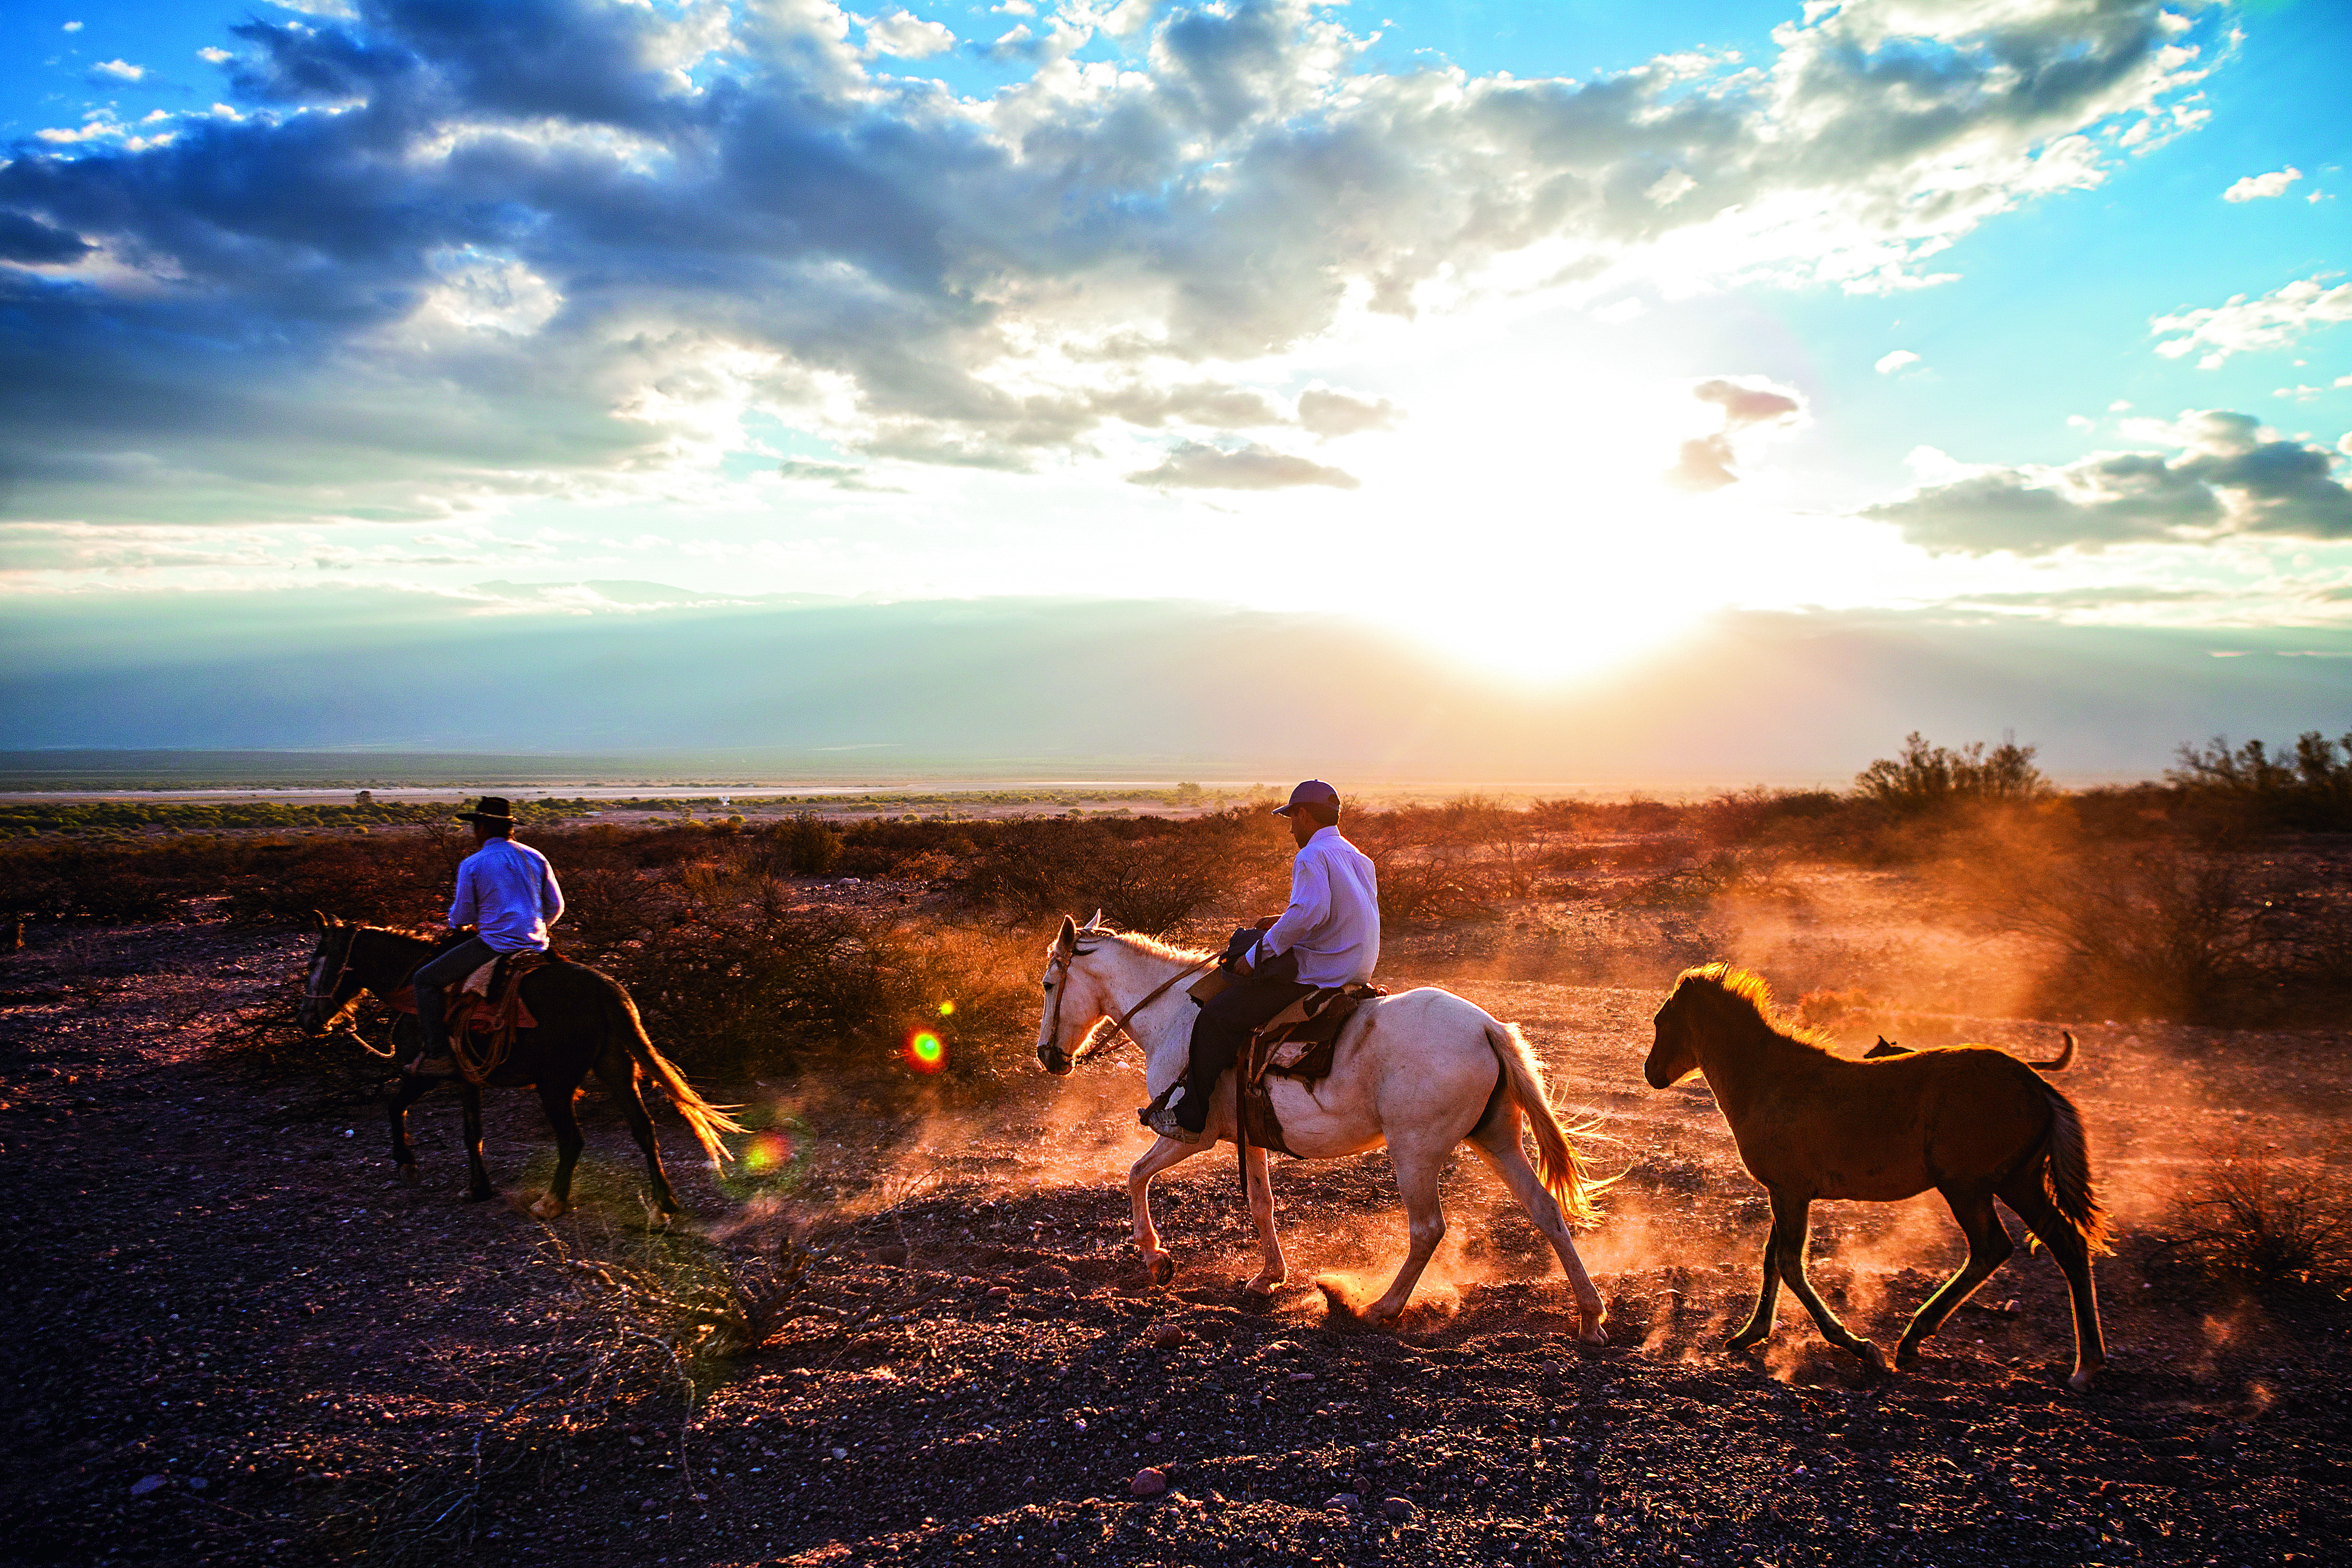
[[1423, 1072]]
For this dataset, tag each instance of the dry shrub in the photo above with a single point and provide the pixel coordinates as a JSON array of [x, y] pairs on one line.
[[2269, 1222], [2154, 930], [642, 1330], [1145, 875], [727, 971]]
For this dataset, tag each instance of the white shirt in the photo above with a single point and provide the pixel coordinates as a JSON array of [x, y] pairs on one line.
[[1333, 923], [507, 892]]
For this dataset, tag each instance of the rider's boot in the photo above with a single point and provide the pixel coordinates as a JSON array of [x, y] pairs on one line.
[[1165, 1116]]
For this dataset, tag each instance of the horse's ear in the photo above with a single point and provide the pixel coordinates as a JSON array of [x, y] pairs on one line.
[[1096, 924], [323, 923], [1067, 937]]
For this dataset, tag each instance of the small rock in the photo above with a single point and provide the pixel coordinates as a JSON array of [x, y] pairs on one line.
[[197, 1483], [146, 1484], [841, 1453], [1345, 1501], [1151, 1437], [647, 1506], [1302, 1377], [1169, 1334], [1397, 1509], [1148, 1482]]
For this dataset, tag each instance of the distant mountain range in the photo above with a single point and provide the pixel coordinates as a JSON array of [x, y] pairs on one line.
[[808, 687]]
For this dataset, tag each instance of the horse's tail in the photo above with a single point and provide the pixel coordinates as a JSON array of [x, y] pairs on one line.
[[2066, 1172], [707, 1120], [2063, 1060], [1560, 1167]]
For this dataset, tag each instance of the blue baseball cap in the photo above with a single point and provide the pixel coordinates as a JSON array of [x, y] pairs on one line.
[[1314, 792]]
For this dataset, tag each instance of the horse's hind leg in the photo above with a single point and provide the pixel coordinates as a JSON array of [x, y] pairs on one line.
[[1274, 1269], [412, 1089], [619, 1073], [2033, 1205], [1417, 1170], [1789, 1223], [1162, 1154], [1988, 1247], [556, 1098], [1496, 1141], [478, 1187]]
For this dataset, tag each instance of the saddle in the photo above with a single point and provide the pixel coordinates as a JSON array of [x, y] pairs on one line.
[[1299, 1042], [489, 1003]]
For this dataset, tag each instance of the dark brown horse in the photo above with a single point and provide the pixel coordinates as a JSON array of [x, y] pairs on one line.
[[1971, 1122], [586, 1023]]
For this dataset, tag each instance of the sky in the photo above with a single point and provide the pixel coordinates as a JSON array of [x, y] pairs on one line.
[[1543, 336]]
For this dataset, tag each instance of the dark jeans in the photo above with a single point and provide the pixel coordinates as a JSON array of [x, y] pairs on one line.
[[432, 981], [1224, 1027]]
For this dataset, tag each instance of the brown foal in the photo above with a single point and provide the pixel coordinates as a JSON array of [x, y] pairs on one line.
[[1971, 1122]]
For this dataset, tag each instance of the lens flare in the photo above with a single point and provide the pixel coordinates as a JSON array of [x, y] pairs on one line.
[[767, 1152], [947, 1009], [926, 1053]]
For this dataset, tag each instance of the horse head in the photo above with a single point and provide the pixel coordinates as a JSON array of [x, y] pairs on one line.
[[1075, 998], [328, 985], [1672, 1058]]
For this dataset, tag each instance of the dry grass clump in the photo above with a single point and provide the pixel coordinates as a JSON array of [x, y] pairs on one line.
[[647, 1327], [2269, 1222]]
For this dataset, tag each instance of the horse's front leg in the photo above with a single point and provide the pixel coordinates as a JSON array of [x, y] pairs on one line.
[[1274, 1268], [1162, 1154], [556, 1099], [470, 1095], [412, 1089]]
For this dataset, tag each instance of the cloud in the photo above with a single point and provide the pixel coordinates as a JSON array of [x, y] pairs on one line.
[[908, 37], [27, 239], [213, 56], [2254, 187], [1329, 413], [1196, 465], [840, 476], [1748, 404], [2231, 478], [119, 70], [2244, 325], [702, 212], [1889, 363]]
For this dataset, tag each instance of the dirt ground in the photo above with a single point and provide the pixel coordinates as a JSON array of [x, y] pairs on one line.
[[231, 1337]]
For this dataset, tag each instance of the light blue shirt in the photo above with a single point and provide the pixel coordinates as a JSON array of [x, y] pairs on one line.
[[1333, 923], [507, 892]]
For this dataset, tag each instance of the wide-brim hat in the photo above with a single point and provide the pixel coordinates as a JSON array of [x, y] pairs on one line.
[[1314, 792], [491, 808]]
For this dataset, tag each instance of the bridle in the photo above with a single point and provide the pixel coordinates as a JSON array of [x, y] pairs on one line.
[[1097, 1038], [335, 985]]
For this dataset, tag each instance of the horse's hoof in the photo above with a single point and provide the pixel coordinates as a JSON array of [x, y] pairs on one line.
[[482, 1195], [548, 1207], [1743, 1346], [1596, 1334], [408, 1176], [2081, 1382], [1262, 1287], [1873, 1360], [1163, 1270]]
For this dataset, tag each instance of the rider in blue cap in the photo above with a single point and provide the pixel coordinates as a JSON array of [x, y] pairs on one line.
[[1330, 935]]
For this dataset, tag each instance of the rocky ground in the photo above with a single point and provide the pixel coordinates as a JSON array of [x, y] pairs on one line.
[[231, 1337]]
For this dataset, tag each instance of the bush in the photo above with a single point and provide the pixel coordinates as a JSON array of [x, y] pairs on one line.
[[1145, 874], [2253, 1217], [2310, 790], [2153, 930], [807, 845], [1927, 779]]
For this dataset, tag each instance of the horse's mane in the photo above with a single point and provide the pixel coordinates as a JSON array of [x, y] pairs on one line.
[[1151, 946], [1749, 995]]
